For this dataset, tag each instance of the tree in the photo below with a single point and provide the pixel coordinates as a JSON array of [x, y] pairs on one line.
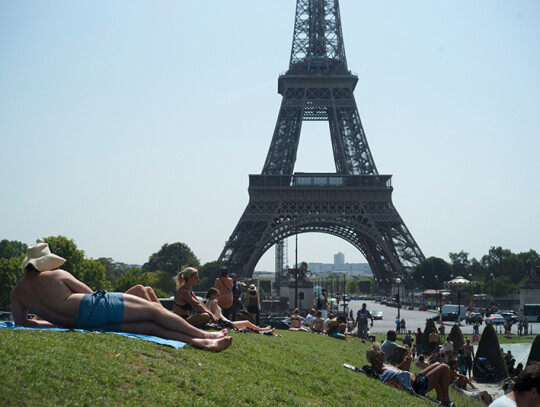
[[11, 248], [10, 273], [66, 248], [489, 348], [456, 336], [430, 327], [160, 281], [428, 269], [130, 278], [460, 263], [534, 354], [171, 258], [93, 274], [208, 274]]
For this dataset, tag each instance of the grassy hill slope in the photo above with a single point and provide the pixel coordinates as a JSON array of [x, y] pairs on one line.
[[298, 369]]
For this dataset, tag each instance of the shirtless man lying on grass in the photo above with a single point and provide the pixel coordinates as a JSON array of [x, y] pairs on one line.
[[62, 300]]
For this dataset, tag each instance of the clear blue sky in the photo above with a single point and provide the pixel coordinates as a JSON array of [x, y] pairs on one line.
[[128, 124]]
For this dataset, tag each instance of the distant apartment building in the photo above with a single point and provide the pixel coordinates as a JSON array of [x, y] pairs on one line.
[[339, 259]]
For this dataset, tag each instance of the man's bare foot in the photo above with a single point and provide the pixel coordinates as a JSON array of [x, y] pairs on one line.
[[213, 345], [216, 335]]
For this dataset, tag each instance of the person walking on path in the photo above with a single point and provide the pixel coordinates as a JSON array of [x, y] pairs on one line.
[[362, 322], [441, 331]]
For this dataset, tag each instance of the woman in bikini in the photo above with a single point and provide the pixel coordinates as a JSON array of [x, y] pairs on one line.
[[186, 303], [318, 323], [213, 305], [224, 284]]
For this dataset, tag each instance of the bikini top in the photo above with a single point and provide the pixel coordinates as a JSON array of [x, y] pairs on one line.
[[187, 306]]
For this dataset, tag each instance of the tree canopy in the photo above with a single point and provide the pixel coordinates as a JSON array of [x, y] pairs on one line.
[[171, 258]]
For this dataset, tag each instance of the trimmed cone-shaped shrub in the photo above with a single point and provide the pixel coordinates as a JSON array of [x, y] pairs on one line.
[[534, 355], [430, 327], [489, 348], [456, 336]]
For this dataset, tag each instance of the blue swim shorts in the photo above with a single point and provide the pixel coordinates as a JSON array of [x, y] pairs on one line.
[[101, 310]]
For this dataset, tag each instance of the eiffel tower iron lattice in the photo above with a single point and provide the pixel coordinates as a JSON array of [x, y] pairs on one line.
[[355, 203]]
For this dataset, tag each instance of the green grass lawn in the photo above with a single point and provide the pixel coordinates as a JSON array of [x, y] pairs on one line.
[[298, 369]]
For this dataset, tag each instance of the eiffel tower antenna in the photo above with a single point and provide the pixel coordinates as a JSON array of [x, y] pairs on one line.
[[355, 202]]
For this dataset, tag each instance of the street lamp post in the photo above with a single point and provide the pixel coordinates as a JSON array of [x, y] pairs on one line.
[[492, 299], [296, 270], [398, 281], [436, 294], [470, 291]]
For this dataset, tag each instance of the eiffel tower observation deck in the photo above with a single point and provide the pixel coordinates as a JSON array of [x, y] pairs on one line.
[[355, 202]]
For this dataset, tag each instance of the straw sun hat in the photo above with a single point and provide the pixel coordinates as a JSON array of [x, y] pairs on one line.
[[40, 256]]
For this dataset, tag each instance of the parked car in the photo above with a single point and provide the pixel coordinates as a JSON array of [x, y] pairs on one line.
[[509, 316], [377, 314], [475, 317], [495, 319]]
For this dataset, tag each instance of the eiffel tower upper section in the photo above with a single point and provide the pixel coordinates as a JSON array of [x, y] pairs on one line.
[[319, 86], [355, 202]]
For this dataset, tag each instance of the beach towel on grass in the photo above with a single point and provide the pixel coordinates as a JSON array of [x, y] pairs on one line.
[[150, 338]]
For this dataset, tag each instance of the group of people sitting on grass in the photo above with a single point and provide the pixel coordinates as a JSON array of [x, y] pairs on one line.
[[439, 376], [333, 326]]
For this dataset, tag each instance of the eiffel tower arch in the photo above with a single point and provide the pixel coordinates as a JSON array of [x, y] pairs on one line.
[[355, 202]]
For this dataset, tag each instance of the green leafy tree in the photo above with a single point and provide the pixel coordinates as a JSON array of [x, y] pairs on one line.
[[10, 273], [66, 248], [456, 336], [208, 274], [93, 274], [131, 277], [430, 327], [112, 271], [460, 263], [171, 258], [160, 282], [11, 248], [534, 354], [428, 269], [489, 348]]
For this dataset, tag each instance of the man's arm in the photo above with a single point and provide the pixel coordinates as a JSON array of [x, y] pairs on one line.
[[405, 363], [20, 314], [75, 285]]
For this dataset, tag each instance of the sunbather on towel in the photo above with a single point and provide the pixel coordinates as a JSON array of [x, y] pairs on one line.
[[212, 304], [62, 300], [435, 376]]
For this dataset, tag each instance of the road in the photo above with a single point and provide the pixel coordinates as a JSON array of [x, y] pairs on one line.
[[416, 319]]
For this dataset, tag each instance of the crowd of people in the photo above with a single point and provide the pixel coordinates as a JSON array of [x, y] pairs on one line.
[[57, 298]]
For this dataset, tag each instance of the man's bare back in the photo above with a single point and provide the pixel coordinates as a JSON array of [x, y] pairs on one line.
[[53, 295]]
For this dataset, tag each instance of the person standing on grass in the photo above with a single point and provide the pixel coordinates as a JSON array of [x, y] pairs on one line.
[[62, 300], [362, 322], [526, 391], [419, 340], [468, 356], [322, 303], [224, 284]]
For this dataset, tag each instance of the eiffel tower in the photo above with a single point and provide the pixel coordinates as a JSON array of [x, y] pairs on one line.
[[355, 202]]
